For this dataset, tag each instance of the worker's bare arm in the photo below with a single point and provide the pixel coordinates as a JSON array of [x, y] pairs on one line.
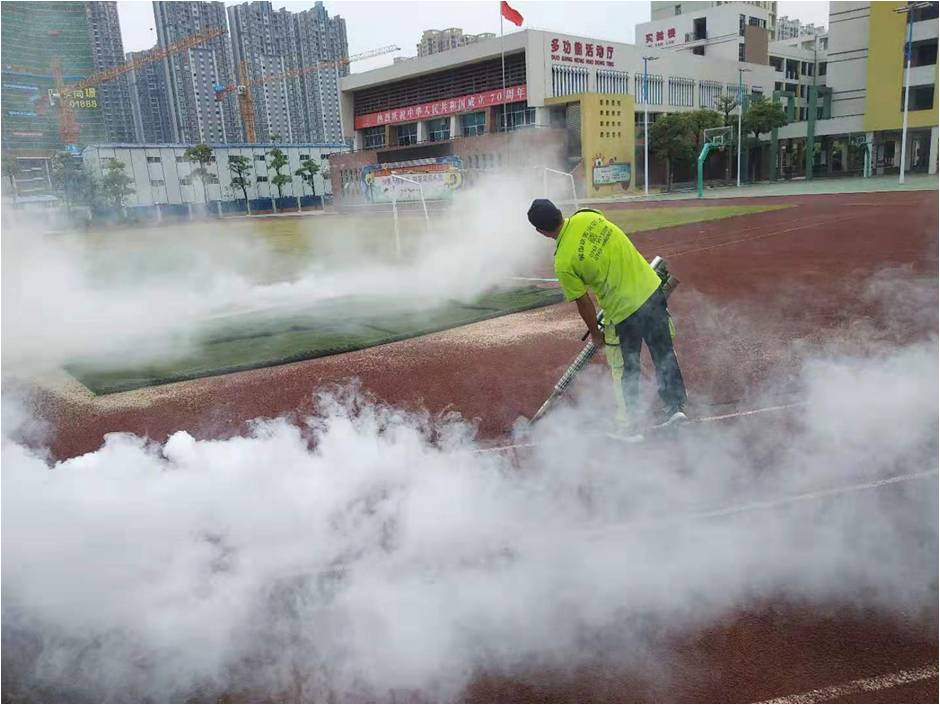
[[589, 315]]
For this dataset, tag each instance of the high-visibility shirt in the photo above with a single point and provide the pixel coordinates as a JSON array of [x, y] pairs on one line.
[[591, 252]]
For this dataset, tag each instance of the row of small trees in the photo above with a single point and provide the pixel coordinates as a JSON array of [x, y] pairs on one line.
[[76, 185], [241, 167], [677, 138]]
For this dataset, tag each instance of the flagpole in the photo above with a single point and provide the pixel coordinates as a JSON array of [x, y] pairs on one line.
[[502, 49]]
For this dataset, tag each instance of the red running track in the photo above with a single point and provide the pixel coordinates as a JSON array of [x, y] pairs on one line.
[[759, 294]]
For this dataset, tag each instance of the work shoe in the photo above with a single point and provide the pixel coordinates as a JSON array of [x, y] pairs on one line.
[[626, 431], [674, 415]]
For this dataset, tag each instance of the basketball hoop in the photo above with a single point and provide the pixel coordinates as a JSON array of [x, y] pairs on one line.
[[718, 137]]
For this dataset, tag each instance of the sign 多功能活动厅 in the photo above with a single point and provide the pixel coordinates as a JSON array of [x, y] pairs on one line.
[[616, 173], [581, 51]]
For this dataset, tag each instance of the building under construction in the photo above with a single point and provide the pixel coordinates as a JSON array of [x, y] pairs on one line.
[[34, 36]]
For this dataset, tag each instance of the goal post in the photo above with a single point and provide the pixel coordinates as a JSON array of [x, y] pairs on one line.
[[558, 186]]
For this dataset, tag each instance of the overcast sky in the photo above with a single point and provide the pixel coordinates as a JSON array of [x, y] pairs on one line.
[[371, 24]]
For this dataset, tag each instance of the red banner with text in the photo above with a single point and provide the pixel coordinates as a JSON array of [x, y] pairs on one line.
[[443, 108]]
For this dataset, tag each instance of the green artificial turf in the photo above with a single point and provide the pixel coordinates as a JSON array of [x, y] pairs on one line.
[[266, 338]]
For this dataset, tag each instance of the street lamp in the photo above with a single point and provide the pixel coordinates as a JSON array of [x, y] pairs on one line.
[[907, 9], [646, 125], [741, 73]]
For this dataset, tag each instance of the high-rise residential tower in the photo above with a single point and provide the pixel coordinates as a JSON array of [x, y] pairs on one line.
[[150, 101], [107, 51], [192, 75]]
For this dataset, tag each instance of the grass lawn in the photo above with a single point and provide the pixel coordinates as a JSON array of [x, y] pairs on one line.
[[268, 250]]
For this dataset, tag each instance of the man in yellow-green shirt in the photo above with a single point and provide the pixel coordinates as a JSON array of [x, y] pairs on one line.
[[591, 253]]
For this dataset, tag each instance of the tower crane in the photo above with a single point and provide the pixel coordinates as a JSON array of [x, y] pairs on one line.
[[243, 87], [68, 124]]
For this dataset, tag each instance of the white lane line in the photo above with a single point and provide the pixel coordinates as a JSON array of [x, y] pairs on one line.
[[817, 494], [737, 414], [704, 419], [862, 685], [609, 533]]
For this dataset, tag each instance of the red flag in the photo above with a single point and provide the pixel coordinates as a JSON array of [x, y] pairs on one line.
[[510, 14]]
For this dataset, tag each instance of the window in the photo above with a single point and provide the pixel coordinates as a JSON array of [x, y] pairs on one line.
[[921, 98], [741, 24], [925, 13], [406, 134], [303, 157], [777, 62], [741, 52], [153, 160], [439, 130], [514, 115], [822, 68], [778, 86], [678, 9], [259, 157], [924, 53], [373, 137], [261, 179], [180, 159], [473, 124], [186, 181], [157, 183]]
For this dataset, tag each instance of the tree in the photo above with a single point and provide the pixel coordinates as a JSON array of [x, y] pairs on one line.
[[671, 139], [308, 169], [66, 172], [762, 116], [278, 162], [11, 169], [699, 121], [240, 167], [117, 184], [725, 105], [201, 154]]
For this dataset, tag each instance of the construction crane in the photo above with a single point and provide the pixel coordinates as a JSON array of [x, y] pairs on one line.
[[243, 87], [68, 124]]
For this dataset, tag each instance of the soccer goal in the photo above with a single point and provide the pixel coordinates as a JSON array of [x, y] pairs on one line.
[[408, 187], [558, 186]]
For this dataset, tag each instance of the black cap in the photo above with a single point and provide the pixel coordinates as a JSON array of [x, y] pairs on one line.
[[544, 215]]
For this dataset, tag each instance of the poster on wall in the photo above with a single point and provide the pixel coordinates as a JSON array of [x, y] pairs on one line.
[[438, 178], [611, 172]]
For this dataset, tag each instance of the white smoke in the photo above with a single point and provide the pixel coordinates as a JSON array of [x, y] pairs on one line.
[[375, 552], [147, 293]]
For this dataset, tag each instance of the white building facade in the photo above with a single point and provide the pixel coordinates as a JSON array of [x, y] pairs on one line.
[[162, 175], [661, 10], [544, 65], [725, 31]]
